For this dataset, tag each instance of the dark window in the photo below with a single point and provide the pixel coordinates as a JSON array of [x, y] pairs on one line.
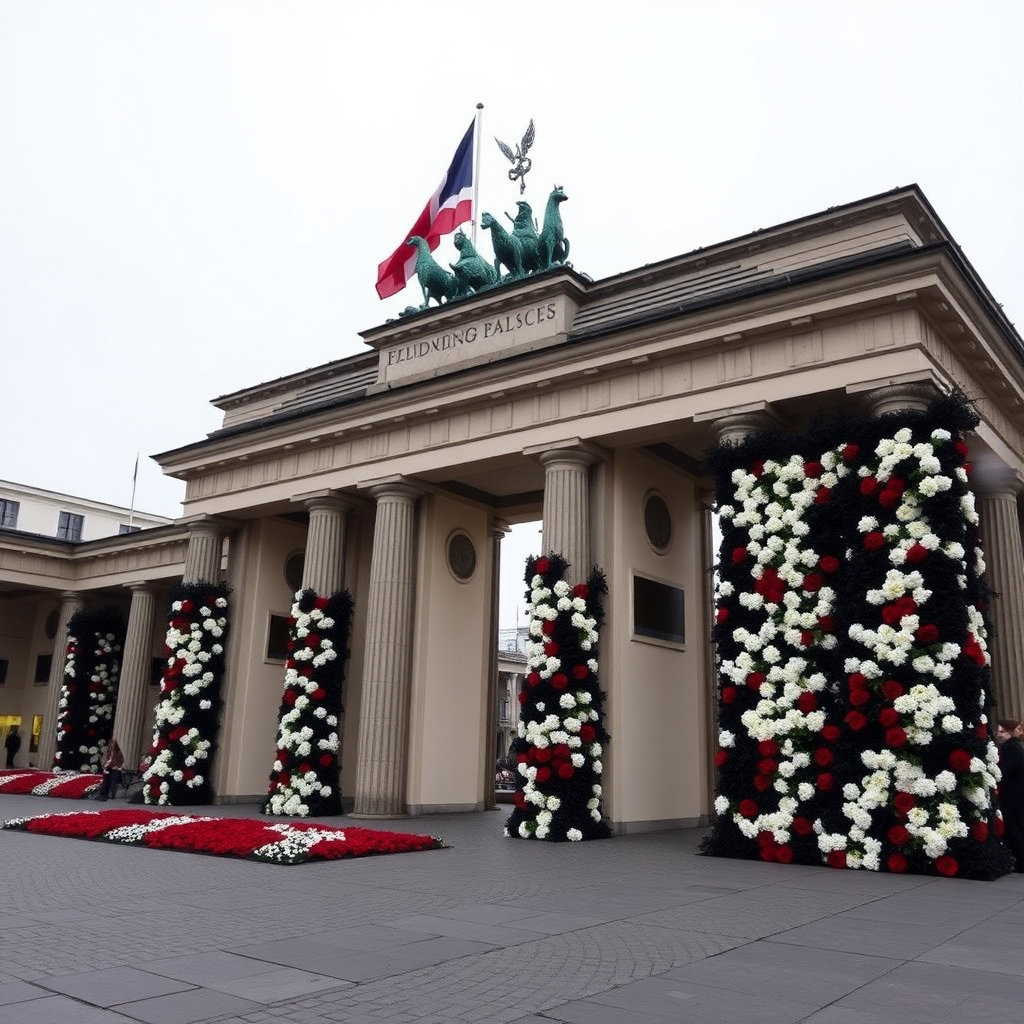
[[125, 528], [277, 638], [658, 610], [43, 663], [9, 513], [3, 670], [69, 526]]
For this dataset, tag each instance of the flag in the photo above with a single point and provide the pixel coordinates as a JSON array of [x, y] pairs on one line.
[[449, 206]]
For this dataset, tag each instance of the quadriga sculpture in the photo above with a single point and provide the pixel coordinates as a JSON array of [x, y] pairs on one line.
[[472, 272], [508, 250], [436, 282]]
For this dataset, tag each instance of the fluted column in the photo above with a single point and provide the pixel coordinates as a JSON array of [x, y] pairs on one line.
[[498, 530], [70, 602], [387, 667], [203, 557], [135, 670], [323, 567], [912, 396], [567, 507], [1004, 560]]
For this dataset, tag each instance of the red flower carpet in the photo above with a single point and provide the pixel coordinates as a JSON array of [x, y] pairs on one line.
[[250, 838], [34, 782]]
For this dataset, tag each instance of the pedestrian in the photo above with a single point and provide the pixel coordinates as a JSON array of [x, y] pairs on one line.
[[1011, 785], [12, 745], [112, 767]]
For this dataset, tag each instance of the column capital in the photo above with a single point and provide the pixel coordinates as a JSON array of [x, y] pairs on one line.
[[897, 396], [328, 499], [735, 423], [992, 478], [140, 586], [572, 450], [393, 487]]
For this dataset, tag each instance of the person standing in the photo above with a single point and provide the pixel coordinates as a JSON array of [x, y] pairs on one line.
[[112, 766], [12, 745], [1011, 785]]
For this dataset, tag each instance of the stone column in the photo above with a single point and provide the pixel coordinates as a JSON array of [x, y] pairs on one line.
[[70, 602], [136, 661], [498, 530], [567, 507], [203, 558], [323, 568], [912, 396], [387, 667], [1004, 560]]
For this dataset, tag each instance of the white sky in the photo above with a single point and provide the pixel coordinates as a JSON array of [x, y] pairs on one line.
[[195, 194]]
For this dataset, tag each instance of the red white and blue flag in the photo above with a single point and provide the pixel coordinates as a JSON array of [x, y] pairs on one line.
[[449, 206]]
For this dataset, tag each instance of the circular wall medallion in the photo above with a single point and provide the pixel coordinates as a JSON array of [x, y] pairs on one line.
[[461, 556], [293, 568], [657, 521]]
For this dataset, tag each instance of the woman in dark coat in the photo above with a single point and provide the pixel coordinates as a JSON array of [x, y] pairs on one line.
[[1011, 786]]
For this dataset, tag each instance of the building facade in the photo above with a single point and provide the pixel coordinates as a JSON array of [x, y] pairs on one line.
[[589, 405]]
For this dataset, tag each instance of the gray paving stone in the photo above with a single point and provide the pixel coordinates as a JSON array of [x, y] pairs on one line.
[[495, 935], [58, 1010], [286, 983], [20, 992], [856, 935], [113, 985], [197, 1004]]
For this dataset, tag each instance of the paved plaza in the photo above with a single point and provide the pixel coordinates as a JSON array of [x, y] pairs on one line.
[[633, 930]]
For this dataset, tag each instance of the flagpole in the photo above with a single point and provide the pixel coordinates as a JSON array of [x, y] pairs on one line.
[[135, 480], [476, 168]]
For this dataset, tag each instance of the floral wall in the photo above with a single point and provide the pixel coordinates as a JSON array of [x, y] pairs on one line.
[[853, 669]]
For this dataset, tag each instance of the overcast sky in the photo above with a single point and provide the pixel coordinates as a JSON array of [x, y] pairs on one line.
[[195, 195]]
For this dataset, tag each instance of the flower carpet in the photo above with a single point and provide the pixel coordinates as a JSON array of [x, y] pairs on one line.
[[33, 782], [248, 838]]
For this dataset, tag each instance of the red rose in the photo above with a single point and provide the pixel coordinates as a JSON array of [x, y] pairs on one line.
[[916, 554], [873, 540], [896, 485], [319, 693], [762, 783], [580, 671], [767, 748], [581, 590], [551, 648], [187, 606], [981, 731], [888, 717], [721, 615], [960, 448], [739, 555], [889, 498], [559, 680], [947, 866], [807, 702], [856, 721], [806, 638], [896, 863], [891, 689], [813, 470], [766, 766], [767, 853], [289, 696], [959, 760], [757, 468], [837, 859], [858, 698], [999, 826], [928, 633], [895, 737], [898, 835], [979, 831], [904, 802], [521, 697], [748, 808], [850, 452], [541, 566], [784, 855], [857, 681], [755, 679], [827, 624], [313, 641], [565, 770], [729, 694], [543, 774], [548, 627], [588, 733], [533, 679], [542, 755], [802, 826], [721, 757], [826, 782], [829, 563], [823, 757], [813, 582], [765, 839], [868, 486], [325, 760], [519, 800], [830, 733], [821, 495]]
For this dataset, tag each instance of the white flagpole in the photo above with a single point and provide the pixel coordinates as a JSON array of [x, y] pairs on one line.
[[135, 479], [477, 137]]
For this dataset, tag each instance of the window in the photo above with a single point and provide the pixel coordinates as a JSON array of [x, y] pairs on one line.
[[277, 638], [9, 513], [43, 663], [658, 611], [69, 526], [3, 670], [125, 528]]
